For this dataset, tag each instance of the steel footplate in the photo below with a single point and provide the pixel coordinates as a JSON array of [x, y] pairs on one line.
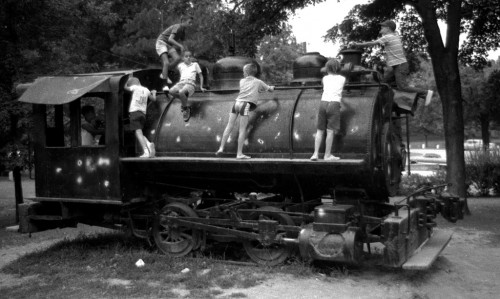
[[423, 259]]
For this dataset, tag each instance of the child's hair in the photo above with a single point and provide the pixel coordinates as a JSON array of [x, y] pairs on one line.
[[87, 109], [133, 81], [332, 66], [251, 69]]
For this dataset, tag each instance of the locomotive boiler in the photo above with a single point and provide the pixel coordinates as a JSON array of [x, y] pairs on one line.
[[279, 199]]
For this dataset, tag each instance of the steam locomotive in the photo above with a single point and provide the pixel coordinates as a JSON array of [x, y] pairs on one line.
[[275, 201]]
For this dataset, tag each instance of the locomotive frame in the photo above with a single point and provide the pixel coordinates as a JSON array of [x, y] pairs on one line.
[[270, 203]]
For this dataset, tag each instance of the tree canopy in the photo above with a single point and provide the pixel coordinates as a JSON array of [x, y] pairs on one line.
[[51, 37], [419, 25]]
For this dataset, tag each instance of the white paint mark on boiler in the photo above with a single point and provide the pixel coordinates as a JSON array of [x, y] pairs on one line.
[[297, 115], [106, 183], [178, 139], [79, 180], [58, 170], [153, 131], [277, 135], [355, 129], [260, 141], [103, 161], [218, 138], [296, 136], [79, 163], [277, 116]]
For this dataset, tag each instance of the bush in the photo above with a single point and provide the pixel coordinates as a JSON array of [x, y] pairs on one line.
[[482, 171], [412, 183]]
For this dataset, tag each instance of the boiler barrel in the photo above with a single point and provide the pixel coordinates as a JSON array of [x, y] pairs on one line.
[[280, 141]]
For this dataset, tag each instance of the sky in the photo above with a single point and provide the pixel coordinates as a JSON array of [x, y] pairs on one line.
[[311, 24]]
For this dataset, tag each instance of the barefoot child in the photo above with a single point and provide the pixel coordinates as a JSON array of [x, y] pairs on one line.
[[250, 87], [137, 110], [329, 109]]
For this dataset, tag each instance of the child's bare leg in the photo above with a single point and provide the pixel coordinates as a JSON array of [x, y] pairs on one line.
[[142, 141], [227, 131], [242, 136], [176, 58], [182, 95], [317, 144], [165, 64], [328, 143], [328, 147]]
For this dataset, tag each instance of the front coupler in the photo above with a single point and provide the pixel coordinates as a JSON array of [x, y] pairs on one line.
[[410, 225]]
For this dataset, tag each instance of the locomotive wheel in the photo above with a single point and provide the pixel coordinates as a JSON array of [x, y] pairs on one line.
[[270, 255], [175, 240], [392, 159]]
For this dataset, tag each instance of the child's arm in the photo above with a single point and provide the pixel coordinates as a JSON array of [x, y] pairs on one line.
[[366, 44], [171, 40], [198, 71], [265, 87], [201, 83]]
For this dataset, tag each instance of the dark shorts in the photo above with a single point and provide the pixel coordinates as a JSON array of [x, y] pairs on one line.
[[329, 116], [137, 120], [243, 108]]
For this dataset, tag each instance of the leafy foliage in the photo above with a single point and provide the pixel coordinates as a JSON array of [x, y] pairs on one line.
[[277, 53], [55, 37], [476, 18], [483, 171]]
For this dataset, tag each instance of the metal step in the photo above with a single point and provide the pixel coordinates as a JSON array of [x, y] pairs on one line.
[[423, 259]]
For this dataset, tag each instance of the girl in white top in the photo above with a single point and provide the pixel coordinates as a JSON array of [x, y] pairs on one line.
[[329, 110]]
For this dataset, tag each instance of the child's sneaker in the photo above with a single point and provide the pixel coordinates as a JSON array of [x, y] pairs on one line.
[[186, 113], [165, 89], [151, 149], [428, 98], [145, 153], [331, 158]]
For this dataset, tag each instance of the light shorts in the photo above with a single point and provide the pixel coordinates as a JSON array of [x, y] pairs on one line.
[[243, 108], [183, 87], [163, 47], [329, 116]]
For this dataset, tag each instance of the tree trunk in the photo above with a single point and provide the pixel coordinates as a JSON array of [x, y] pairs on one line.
[[446, 73], [485, 131]]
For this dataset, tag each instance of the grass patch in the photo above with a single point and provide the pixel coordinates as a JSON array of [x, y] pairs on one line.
[[103, 265]]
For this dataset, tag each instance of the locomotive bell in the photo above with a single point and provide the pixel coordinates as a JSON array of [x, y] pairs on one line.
[[307, 68], [228, 71], [352, 56]]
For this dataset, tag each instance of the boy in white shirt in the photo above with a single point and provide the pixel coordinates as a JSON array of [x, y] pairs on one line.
[[137, 111], [186, 85]]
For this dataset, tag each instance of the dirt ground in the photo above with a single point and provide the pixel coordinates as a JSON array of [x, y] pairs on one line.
[[468, 268]]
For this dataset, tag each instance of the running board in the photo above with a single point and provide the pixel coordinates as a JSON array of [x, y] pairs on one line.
[[423, 259]]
